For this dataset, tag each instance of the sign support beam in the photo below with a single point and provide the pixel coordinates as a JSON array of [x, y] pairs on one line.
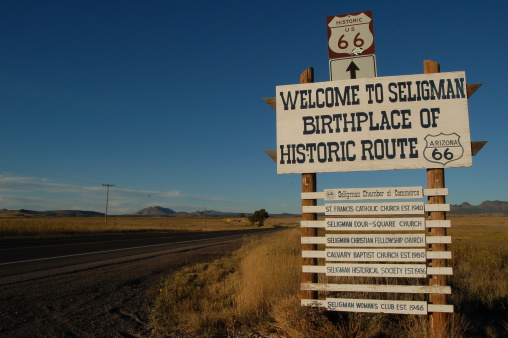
[[435, 180], [308, 185]]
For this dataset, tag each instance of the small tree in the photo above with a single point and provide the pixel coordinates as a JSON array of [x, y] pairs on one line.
[[259, 217]]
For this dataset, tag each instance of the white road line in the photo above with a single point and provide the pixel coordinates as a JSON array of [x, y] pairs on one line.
[[123, 249]]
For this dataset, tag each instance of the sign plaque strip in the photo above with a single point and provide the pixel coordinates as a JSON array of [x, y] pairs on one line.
[[377, 208], [314, 254], [374, 270], [376, 255], [430, 307], [447, 271], [355, 194], [408, 227], [393, 208], [439, 255], [312, 224], [369, 255], [439, 239], [440, 308], [313, 195], [385, 240], [438, 224], [375, 224], [435, 192], [377, 306], [368, 240], [437, 207], [313, 240], [352, 194], [377, 288], [313, 209]]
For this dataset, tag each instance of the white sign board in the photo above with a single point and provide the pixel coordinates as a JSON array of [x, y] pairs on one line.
[[399, 122], [385, 240], [380, 208], [373, 224], [376, 270], [376, 306], [376, 255], [353, 68], [353, 194]]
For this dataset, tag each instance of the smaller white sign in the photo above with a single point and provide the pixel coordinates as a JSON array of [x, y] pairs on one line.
[[377, 270], [367, 240], [391, 193], [381, 208], [376, 306], [370, 224], [353, 68], [376, 255], [350, 34]]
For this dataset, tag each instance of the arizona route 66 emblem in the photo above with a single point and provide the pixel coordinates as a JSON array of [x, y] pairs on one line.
[[443, 148]]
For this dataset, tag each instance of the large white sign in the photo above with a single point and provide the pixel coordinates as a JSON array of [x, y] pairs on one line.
[[399, 122]]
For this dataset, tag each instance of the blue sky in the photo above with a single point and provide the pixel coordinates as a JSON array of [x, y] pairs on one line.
[[164, 98]]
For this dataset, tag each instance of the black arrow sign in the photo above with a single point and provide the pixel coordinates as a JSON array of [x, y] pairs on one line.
[[353, 68]]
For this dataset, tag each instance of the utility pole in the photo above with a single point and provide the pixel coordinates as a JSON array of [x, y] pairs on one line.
[[107, 199]]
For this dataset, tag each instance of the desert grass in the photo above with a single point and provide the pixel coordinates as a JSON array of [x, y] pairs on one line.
[[46, 227], [231, 295], [257, 290]]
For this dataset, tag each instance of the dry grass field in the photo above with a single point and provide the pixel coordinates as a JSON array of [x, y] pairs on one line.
[[257, 290], [45, 227]]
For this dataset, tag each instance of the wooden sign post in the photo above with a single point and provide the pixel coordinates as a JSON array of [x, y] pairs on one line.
[[308, 185], [435, 180]]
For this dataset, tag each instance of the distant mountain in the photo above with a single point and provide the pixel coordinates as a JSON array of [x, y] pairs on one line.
[[71, 213], [51, 213], [486, 207], [165, 212], [154, 211]]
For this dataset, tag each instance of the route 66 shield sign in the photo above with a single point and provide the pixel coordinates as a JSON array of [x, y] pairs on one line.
[[443, 148], [350, 34]]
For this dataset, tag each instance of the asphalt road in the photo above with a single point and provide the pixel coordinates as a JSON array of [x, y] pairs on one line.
[[25, 256], [96, 286]]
